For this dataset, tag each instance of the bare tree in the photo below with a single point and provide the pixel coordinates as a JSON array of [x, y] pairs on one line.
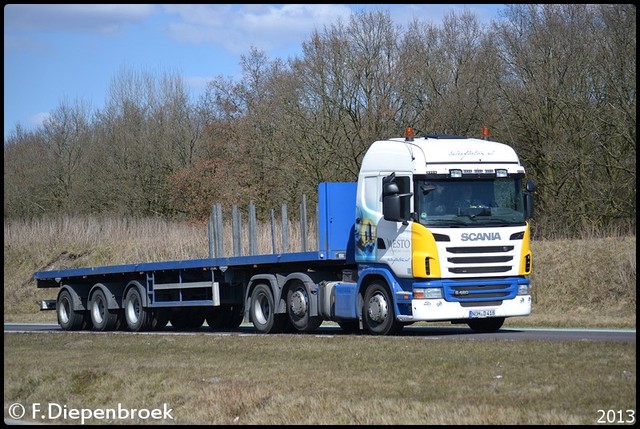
[[67, 136], [557, 101], [26, 182], [347, 94], [447, 75]]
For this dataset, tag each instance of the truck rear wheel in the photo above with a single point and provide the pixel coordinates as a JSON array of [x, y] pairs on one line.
[[136, 316], [102, 318], [68, 318], [378, 315], [492, 324], [262, 311], [298, 309]]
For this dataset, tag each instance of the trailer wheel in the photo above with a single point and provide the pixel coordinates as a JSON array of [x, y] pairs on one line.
[[378, 315], [136, 316], [102, 318], [492, 324], [299, 311], [263, 311], [68, 318]]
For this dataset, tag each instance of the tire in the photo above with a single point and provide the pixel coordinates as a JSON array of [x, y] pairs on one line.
[[187, 318], [377, 315], [68, 318], [102, 318], [298, 309], [137, 317], [262, 311], [492, 324]]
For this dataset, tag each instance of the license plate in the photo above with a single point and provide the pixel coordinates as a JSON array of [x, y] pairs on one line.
[[474, 314]]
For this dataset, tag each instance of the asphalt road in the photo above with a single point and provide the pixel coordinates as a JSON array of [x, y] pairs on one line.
[[454, 332]]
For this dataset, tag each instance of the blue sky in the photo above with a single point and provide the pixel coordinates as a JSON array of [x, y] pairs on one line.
[[67, 53]]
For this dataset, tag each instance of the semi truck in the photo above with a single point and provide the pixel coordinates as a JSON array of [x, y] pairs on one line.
[[436, 229]]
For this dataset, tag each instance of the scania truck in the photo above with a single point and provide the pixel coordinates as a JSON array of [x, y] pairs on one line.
[[436, 229]]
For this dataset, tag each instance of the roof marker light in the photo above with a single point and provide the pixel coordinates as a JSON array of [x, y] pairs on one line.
[[408, 134]]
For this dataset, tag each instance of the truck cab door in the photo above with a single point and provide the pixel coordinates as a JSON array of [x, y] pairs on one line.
[[394, 228]]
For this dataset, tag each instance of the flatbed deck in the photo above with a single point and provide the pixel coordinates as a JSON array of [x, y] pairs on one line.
[[51, 278]]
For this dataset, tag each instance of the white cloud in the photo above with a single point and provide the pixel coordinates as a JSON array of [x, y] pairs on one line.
[[37, 120], [264, 26], [95, 18]]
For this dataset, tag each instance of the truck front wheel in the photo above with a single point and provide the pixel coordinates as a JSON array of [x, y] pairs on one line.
[[378, 315]]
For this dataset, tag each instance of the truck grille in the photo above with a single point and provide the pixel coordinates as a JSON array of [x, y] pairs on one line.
[[485, 259]]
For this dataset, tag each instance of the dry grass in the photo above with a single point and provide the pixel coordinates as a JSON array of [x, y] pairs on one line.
[[582, 283], [329, 379]]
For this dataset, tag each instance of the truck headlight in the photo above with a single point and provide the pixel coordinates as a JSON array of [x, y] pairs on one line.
[[427, 293], [523, 289]]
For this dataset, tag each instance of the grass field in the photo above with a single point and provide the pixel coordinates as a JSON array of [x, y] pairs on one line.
[[329, 379], [319, 379]]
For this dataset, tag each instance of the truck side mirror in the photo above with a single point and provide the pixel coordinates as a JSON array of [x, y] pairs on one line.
[[390, 188], [395, 206], [530, 189]]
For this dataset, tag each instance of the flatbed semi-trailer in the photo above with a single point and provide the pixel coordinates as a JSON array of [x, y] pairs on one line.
[[188, 292], [402, 244]]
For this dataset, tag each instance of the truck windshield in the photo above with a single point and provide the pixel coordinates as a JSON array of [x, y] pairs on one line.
[[469, 202]]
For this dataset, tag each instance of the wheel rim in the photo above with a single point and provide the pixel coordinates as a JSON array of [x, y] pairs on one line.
[[64, 312], [298, 304], [378, 308], [133, 309], [261, 309], [98, 310]]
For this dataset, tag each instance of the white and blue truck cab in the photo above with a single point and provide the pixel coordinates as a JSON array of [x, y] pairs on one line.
[[442, 233]]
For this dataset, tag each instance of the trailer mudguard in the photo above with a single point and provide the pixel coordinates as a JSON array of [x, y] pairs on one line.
[[79, 295], [141, 289], [113, 293]]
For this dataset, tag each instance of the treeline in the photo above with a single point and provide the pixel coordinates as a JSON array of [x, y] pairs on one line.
[[555, 81]]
